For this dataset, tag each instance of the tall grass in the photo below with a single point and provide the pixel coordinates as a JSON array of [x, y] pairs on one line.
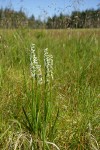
[[29, 115]]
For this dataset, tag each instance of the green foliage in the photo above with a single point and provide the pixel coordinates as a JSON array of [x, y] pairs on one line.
[[38, 120], [75, 90], [85, 19]]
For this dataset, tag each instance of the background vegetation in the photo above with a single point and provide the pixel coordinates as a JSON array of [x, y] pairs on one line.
[[85, 19]]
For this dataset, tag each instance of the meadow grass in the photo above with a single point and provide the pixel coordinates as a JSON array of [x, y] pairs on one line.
[[66, 112]]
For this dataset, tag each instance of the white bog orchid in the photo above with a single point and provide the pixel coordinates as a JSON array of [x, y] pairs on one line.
[[48, 62], [35, 68]]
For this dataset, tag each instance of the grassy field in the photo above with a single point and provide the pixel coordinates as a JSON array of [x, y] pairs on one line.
[[65, 112]]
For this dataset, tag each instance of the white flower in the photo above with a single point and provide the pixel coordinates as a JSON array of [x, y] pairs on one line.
[[35, 68], [48, 62]]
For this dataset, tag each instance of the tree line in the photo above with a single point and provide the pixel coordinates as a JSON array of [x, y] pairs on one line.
[[11, 19]]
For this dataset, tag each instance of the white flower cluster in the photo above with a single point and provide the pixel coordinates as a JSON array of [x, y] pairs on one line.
[[48, 62], [35, 68]]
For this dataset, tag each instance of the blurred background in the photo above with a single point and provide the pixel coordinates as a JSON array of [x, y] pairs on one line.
[[49, 14]]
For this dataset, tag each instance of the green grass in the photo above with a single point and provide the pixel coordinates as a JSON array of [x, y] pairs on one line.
[[75, 90]]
